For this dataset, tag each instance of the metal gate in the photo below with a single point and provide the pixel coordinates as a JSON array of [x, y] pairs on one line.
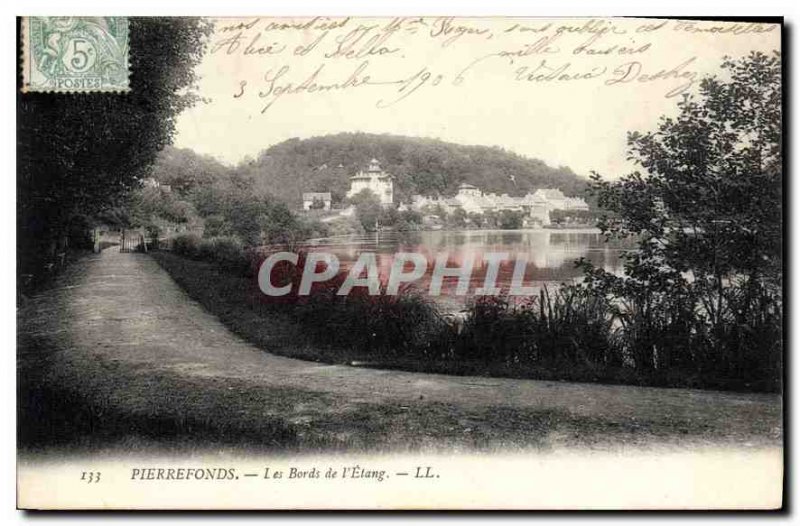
[[132, 241]]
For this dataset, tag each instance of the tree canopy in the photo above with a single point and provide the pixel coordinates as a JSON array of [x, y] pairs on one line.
[[708, 199], [79, 153], [703, 290], [419, 166]]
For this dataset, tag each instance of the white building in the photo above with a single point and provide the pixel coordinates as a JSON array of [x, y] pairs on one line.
[[309, 198], [536, 205], [151, 182], [555, 198], [575, 203], [376, 181]]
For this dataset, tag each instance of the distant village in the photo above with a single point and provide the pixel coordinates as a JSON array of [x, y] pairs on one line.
[[536, 207]]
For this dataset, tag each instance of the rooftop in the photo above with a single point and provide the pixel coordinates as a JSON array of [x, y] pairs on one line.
[[309, 196]]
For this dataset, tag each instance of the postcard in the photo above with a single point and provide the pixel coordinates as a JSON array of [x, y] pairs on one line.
[[399, 263]]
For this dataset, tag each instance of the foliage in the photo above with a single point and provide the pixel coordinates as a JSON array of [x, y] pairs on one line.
[[408, 221], [185, 170], [457, 219], [187, 245], [344, 226], [566, 329], [149, 204], [707, 213], [566, 334], [369, 210], [419, 166], [475, 219], [80, 154], [581, 217], [216, 225], [510, 220], [226, 252], [710, 198], [225, 202]]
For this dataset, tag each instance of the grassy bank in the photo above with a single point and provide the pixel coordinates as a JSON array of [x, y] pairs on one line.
[[563, 335], [120, 416], [149, 372]]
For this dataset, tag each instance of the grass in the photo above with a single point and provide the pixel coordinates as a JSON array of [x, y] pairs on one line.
[[226, 416], [300, 333], [58, 413], [83, 388], [562, 336], [573, 333]]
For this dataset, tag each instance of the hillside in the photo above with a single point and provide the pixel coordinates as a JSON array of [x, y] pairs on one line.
[[419, 165]]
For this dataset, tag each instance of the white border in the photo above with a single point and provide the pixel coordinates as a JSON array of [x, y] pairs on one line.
[[563, 8]]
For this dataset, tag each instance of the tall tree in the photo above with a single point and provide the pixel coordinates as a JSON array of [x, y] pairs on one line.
[[709, 197], [706, 210], [77, 153]]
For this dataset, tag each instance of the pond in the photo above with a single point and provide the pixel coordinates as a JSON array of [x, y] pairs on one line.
[[549, 255]]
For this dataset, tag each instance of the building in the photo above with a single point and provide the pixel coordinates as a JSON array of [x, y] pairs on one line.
[[536, 206], [310, 198], [554, 197], [575, 203], [151, 182], [376, 181]]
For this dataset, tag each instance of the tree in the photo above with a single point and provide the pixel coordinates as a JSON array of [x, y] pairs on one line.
[[475, 219], [458, 219], [491, 219], [709, 199], [148, 206], [185, 170], [368, 209], [78, 154], [705, 209], [583, 217], [510, 220], [419, 165]]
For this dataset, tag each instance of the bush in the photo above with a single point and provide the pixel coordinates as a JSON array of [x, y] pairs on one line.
[[217, 225], [556, 332], [230, 254], [382, 325], [227, 252], [186, 245], [510, 220], [572, 333], [345, 226]]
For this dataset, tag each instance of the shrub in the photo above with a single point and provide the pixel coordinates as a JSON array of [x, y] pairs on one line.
[[510, 220], [230, 254], [186, 245], [227, 252], [380, 324], [571, 333], [383, 325], [217, 225], [567, 328], [205, 250], [344, 226]]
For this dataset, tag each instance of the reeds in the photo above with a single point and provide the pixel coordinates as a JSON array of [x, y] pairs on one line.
[[569, 333]]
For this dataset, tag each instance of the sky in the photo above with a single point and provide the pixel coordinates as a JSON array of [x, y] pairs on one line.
[[564, 91]]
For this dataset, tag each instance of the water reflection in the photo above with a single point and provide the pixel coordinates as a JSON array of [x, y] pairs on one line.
[[550, 254]]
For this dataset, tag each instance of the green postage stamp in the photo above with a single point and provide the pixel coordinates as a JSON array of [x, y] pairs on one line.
[[75, 54]]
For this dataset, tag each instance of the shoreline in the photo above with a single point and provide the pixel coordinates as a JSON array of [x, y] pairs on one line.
[[571, 230]]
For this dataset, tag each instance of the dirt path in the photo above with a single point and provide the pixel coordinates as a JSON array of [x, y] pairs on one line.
[[118, 330]]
